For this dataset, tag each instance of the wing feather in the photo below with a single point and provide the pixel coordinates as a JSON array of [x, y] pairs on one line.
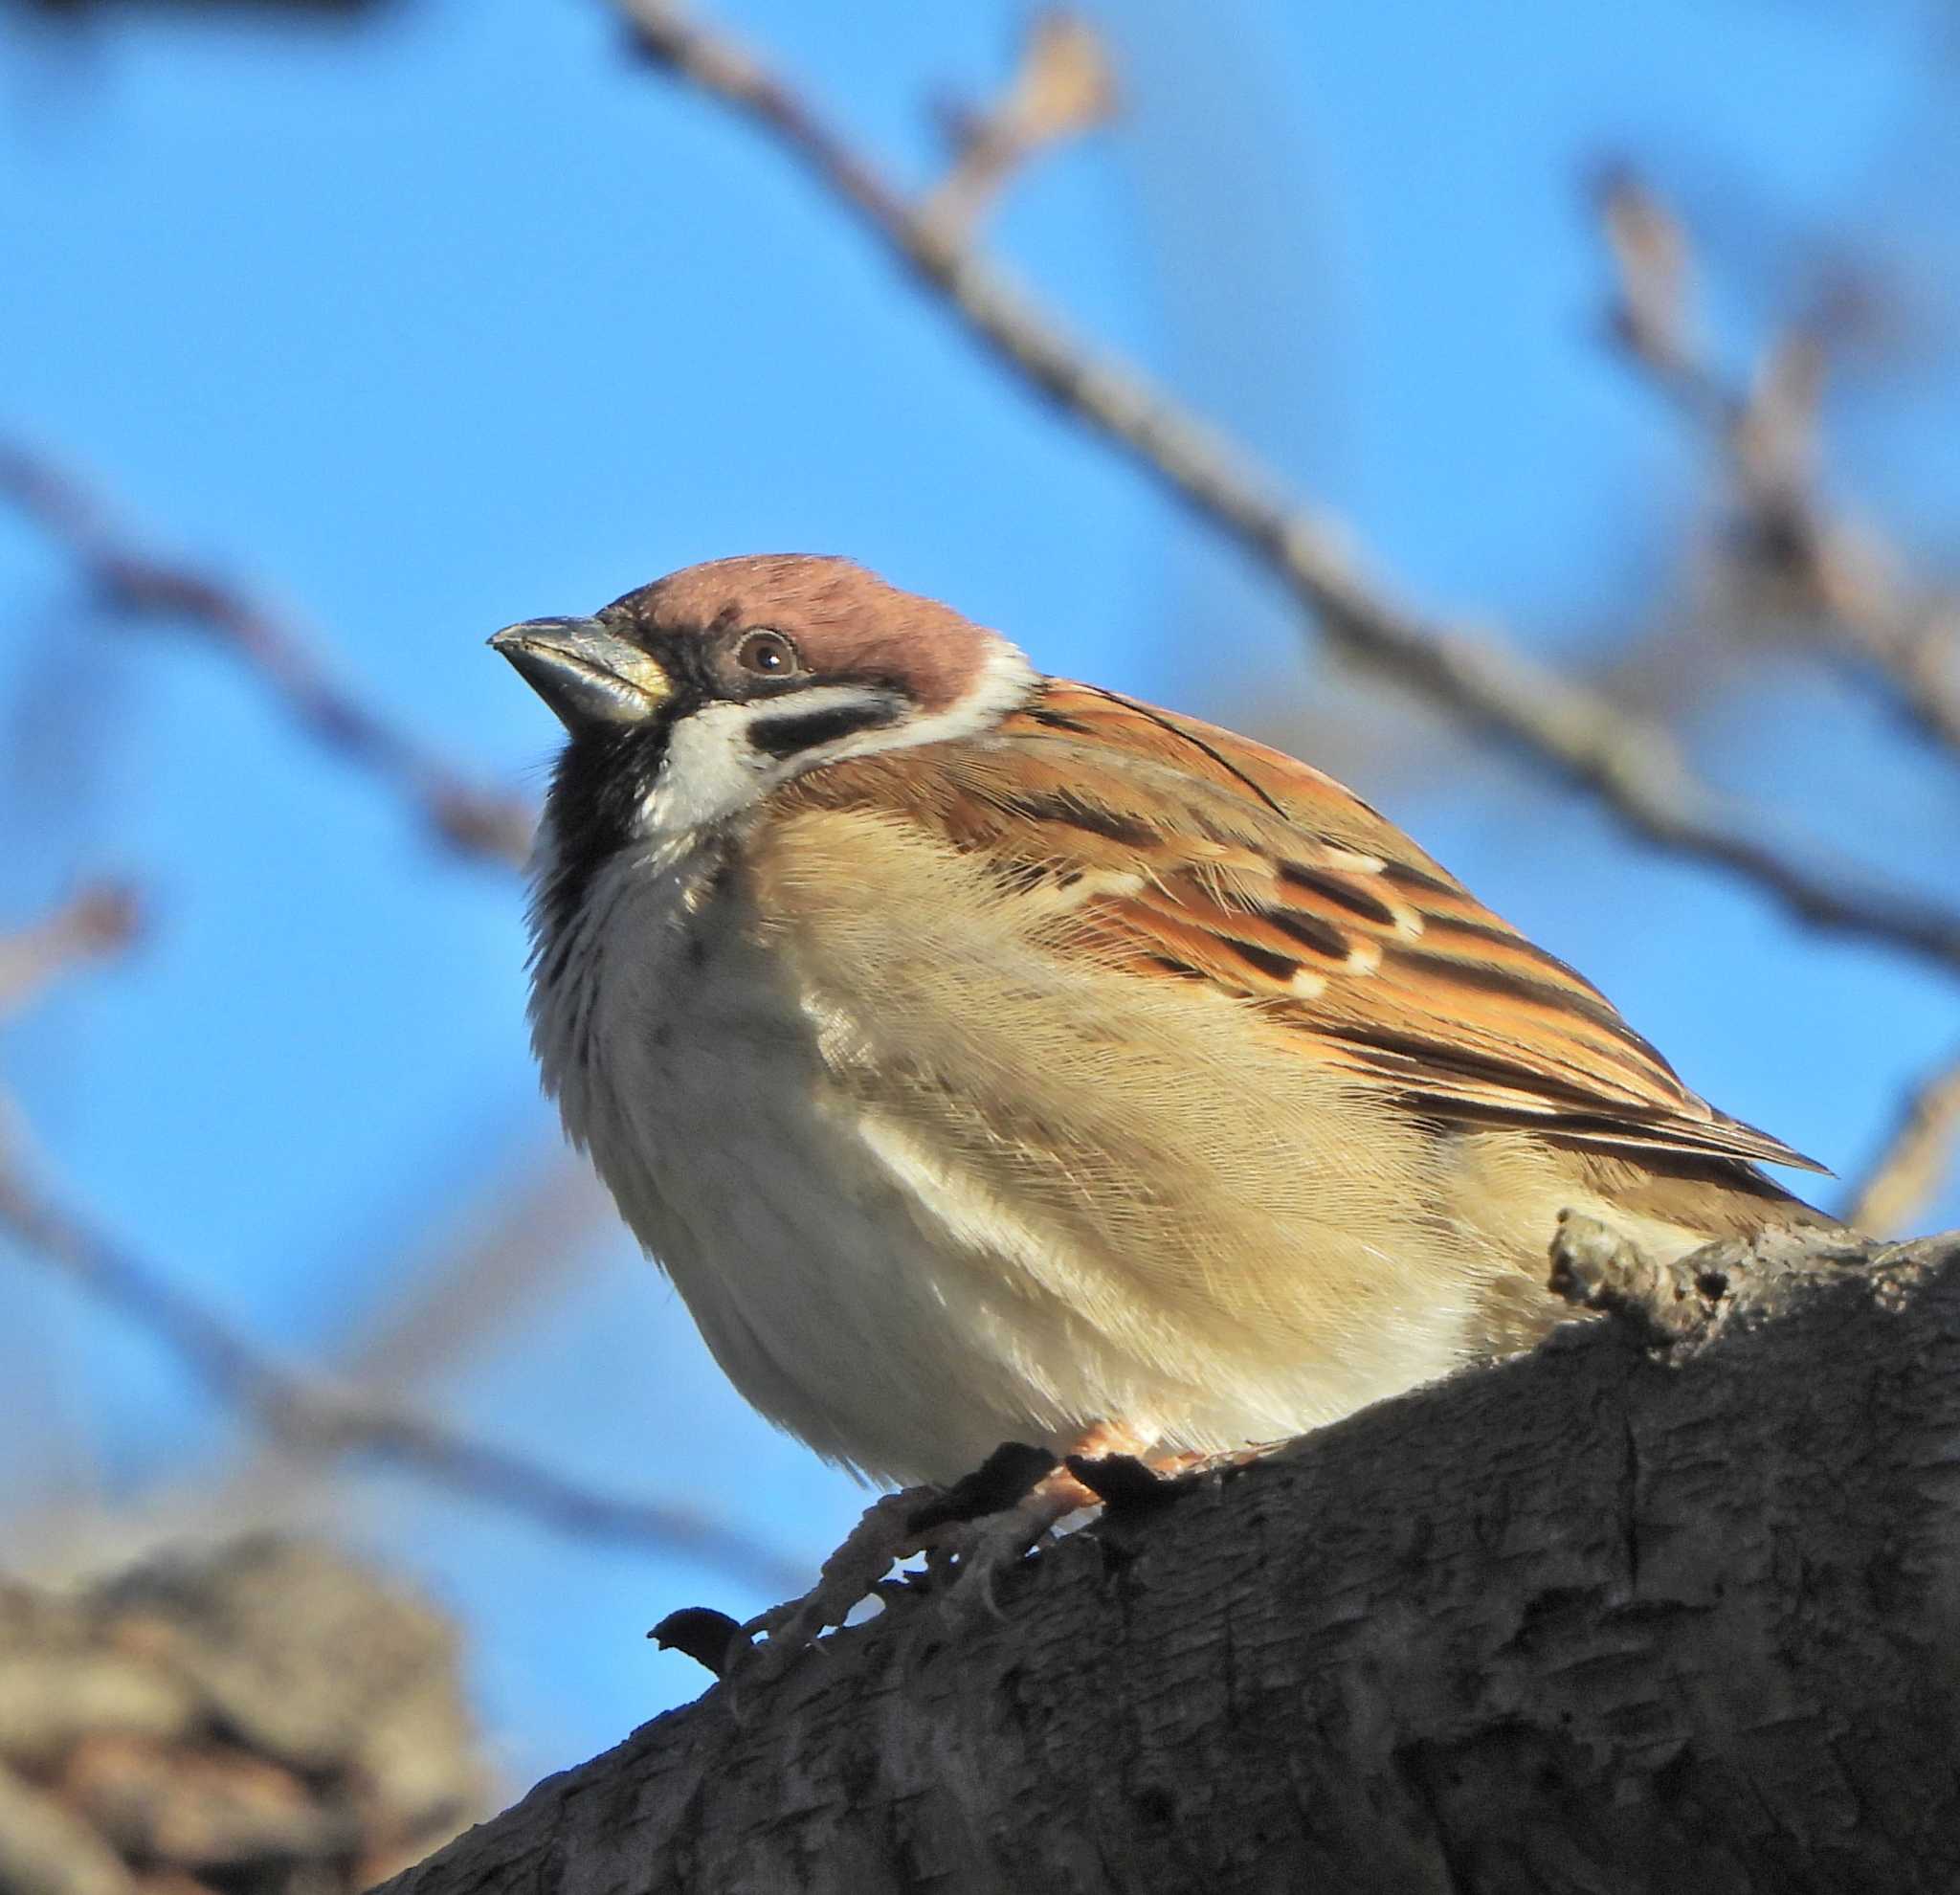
[[1199, 855]]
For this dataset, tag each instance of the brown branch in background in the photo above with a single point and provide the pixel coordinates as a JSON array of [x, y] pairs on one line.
[[313, 1419], [1061, 89], [536, 1230], [1632, 766], [131, 580], [1918, 1157], [100, 920], [1808, 558]]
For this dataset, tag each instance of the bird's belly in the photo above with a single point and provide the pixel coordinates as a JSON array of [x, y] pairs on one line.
[[834, 1294], [875, 1277]]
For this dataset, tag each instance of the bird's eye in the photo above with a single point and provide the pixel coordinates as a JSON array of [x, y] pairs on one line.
[[767, 655]]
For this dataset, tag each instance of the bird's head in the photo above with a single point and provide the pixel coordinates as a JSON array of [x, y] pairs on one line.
[[687, 702]]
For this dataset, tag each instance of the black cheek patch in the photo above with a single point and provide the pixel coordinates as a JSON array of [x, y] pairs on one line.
[[791, 732]]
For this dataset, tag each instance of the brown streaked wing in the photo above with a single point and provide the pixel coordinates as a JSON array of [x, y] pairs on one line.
[[1267, 879]]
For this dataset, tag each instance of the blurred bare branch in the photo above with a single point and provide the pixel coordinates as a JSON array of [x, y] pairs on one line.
[[1803, 557], [318, 1419], [1917, 1159], [538, 1229], [1632, 766], [1062, 88], [99, 920], [531, 1232], [135, 582], [1653, 318]]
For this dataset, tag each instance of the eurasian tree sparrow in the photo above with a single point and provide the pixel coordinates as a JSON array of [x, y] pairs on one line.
[[989, 1057]]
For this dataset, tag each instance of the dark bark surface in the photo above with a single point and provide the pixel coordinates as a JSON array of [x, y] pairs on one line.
[[1608, 1616]]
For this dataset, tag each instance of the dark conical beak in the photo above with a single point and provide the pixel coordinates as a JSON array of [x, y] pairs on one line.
[[585, 673]]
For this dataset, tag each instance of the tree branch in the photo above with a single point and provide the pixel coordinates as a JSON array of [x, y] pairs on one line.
[[1917, 1158], [1061, 88], [1764, 434], [100, 920], [321, 1420], [1604, 1617], [131, 580], [1632, 767]]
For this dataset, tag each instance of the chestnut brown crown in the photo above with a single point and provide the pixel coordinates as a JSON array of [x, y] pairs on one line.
[[844, 622]]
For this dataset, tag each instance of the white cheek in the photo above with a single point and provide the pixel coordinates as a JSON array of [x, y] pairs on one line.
[[710, 771]]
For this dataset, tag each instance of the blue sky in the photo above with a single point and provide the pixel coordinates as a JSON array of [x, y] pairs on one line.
[[463, 317]]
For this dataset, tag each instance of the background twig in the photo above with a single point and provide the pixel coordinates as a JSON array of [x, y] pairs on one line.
[[317, 1419], [1061, 88], [100, 920], [1630, 766], [1917, 1158], [1810, 558], [130, 580]]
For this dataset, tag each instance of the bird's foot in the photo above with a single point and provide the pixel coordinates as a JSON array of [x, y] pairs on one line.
[[936, 1520], [967, 1558], [971, 1534], [883, 1536], [1126, 1480], [972, 1552]]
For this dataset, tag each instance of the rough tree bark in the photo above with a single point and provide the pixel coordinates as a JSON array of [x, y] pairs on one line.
[[1615, 1615]]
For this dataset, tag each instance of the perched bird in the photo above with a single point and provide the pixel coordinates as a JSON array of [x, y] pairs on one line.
[[989, 1057]]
